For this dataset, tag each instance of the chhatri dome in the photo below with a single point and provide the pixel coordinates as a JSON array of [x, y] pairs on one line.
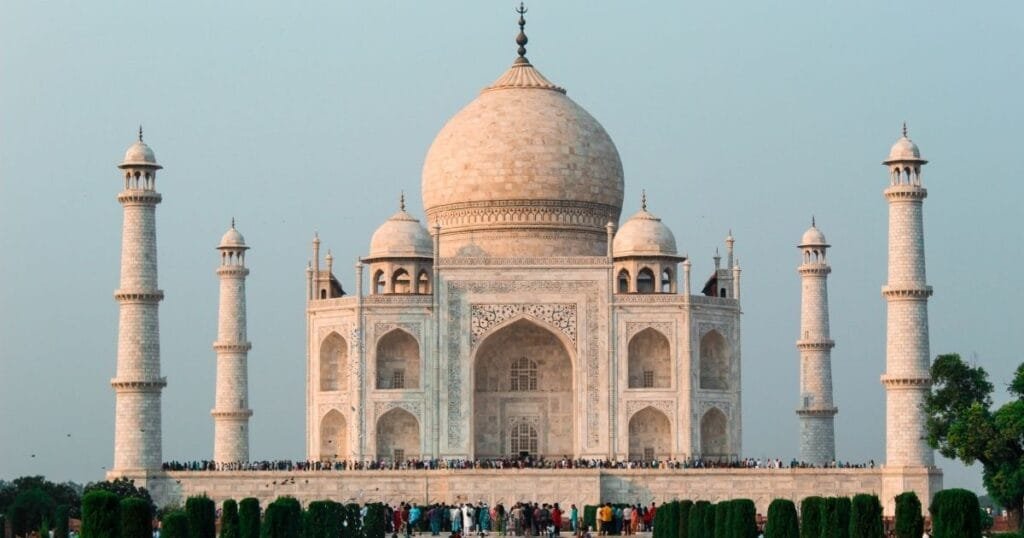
[[139, 154], [904, 150], [522, 161], [813, 237], [401, 236], [644, 235], [232, 238]]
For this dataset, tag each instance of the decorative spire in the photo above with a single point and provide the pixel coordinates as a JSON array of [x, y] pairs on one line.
[[643, 199], [521, 39], [813, 224], [232, 223], [401, 200], [904, 130], [140, 132]]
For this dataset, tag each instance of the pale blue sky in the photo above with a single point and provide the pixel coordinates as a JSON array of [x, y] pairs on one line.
[[295, 117]]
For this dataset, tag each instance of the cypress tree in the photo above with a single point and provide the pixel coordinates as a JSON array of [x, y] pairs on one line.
[[722, 519], [202, 517], [324, 519], [955, 514], [842, 505], [810, 517], [352, 520], [782, 520], [829, 518], [709, 521], [373, 524], [101, 516], [136, 518], [684, 519], [866, 517], [174, 525], [909, 521], [660, 516], [229, 519], [249, 518], [283, 519], [695, 526], [742, 519], [60, 521]]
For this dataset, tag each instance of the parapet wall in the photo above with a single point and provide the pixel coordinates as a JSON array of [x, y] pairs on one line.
[[564, 486]]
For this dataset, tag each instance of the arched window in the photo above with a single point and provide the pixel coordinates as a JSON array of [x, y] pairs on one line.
[[523, 438], [722, 293], [650, 364], [333, 363], [424, 282], [523, 375], [714, 437], [623, 281], [714, 362], [400, 282], [333, 438], [398, 361], [379, 283], [666, 280], [645, 281]]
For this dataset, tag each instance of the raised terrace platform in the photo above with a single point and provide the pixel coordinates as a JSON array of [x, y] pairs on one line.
[[565, 486]]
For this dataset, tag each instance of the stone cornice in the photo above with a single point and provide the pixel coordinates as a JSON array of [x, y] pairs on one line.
[[826, 412], [237, 413], [905, 193], [233, 270], [814, 269], [138, 385], [138, 296], [525, 214], [815, 345], [139, 197], [910, 292], [238, 347], [559, 261], [897, 382]]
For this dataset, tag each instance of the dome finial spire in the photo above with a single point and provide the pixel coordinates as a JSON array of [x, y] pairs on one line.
[[813, 224], [521, 39], [401, 200], [140, 132], [643, 199], [232, 222], [904, 129]]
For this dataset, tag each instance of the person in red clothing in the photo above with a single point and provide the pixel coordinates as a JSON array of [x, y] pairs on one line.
[[556, 518], [649, 516]]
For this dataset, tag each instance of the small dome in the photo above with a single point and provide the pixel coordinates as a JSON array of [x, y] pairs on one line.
[[401, 236], [232, 239], [644, 235], [813, 237], [904, 150], [139, 154]]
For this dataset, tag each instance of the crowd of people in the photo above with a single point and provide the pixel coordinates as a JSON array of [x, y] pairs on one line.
[[504, 463]]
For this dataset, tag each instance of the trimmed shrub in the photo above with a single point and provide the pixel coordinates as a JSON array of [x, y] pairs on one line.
[[249, 518], [842, 507], [60, 521], [373, 524], [684, 519], [955, 514], [829, 519], [782, 520], [722, 519], [590, 517], [909, 521], [709, 521], [323, 519], [866, 517], [695, 526], [660, 527], [101, 516], [283, 519], [811, 512], [136, 518], [229, 519], [742, 519], [202, 517], [670, 519], [352, 520], [174, 525]]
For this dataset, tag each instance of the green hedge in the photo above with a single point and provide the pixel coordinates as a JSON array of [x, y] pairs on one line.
[[352, 520], [955, 514], [174, 525], [909, 521], [684, 519], [660, 522], [202, 517], [248, 518], [866, 517], [136, 518], [709, 521], [721, 529], [229, 519], [283, 519], [811, 511], [101, 517], [695, 526], [373, 524], [323, 519], [742, 519], [835, 518], [782, 520]]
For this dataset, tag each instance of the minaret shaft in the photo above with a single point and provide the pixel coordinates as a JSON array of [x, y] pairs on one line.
[[231, 403], [817, 408]]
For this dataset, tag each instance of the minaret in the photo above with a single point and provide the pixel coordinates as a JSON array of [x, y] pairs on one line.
[[817, 410], [231, 408], [907, 379], [137, 384]]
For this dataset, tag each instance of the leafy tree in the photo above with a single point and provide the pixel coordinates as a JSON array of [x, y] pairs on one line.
[[324, 519], [962, 424], [249, 518], [373, 525], [835, 518], [742, 519], [136, 518], [722, 519], [67, 493], [101, 516], [670, 519], [352, 520], [782, 520], [229, 519], [60, 521], [684, 519], [866, 517], [283, 519], [202, 517], [955, 514], [695, 527], [174, 525], [29, 509], [123, 488], [709, 521], [811, 509], [909, 522]]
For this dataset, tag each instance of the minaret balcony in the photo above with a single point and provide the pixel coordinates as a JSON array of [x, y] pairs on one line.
[[139, 296], [232, 413], [235, 347], [138, 385], [815, 344], [823, 412], [905, 382], [906, 292], [906, 193], [139, 197]]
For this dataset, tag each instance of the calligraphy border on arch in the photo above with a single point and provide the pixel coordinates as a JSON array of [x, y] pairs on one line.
[[664, 327], [665, 406], [485, 316], [458, 322]]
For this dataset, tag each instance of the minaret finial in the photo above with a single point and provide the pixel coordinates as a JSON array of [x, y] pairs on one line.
[[521, 39], [904, 129], [643, 199], [232, 223], [813, 224], [140, 132], [401, 200]]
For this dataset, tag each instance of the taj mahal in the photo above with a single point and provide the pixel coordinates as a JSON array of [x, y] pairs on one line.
[[523, 316]]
